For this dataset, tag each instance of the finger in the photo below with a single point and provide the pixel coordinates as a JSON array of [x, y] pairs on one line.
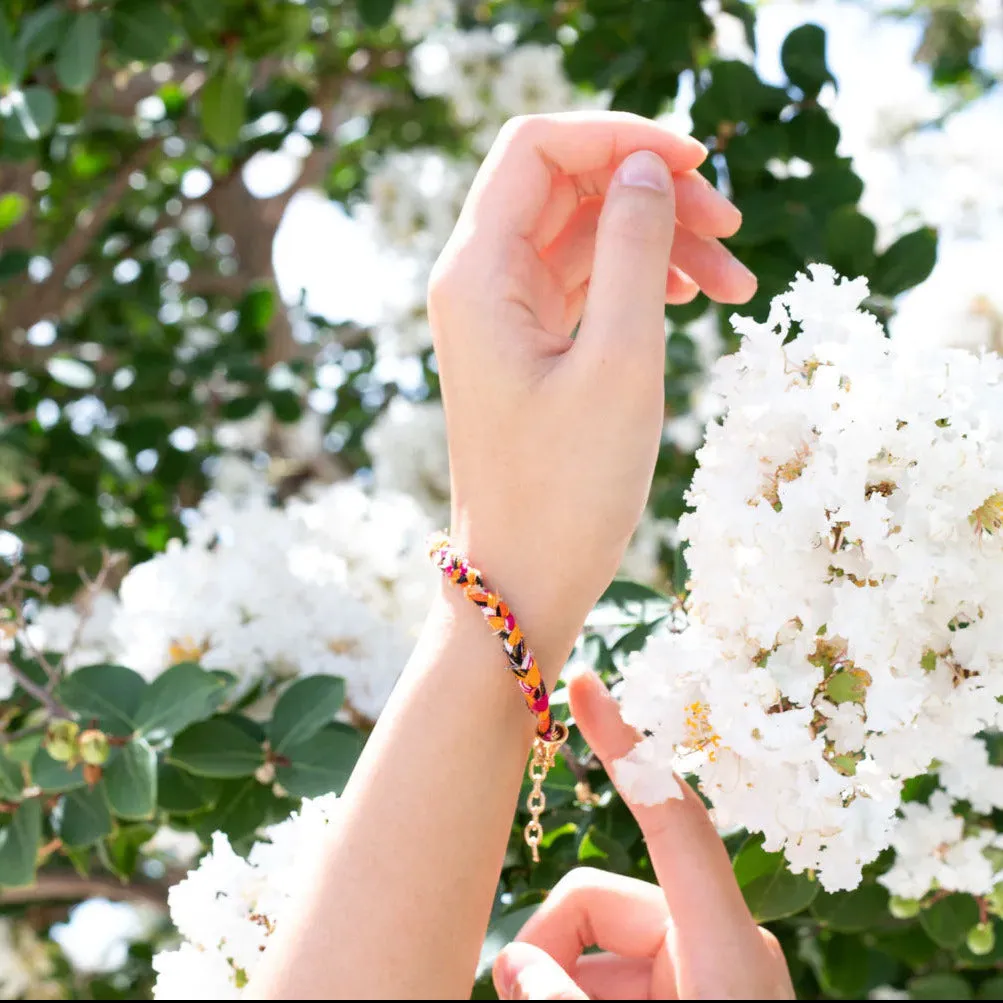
[[569, 257], [701, 208], [524, 972], [686, 852], [624, 312], [679, 287], [514, 183], [610, 977], [715, 269], [591, 908]]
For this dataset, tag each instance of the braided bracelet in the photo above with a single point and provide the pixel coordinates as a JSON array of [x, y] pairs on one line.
[[550, 733]]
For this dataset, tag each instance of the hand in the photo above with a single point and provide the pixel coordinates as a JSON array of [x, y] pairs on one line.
[[573, 221], [691, 938]]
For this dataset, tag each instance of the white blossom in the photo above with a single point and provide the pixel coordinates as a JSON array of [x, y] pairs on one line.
[[26, 966], [845, 563], [407, 444], [932, 850], [228, 907], [334, 584], [418, 18]]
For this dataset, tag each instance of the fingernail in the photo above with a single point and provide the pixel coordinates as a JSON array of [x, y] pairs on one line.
[[644, 170], [504, 977]]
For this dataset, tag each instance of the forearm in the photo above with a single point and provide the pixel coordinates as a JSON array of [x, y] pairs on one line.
[[403, 893]]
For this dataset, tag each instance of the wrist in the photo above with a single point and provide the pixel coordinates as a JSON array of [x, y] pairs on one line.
[[548, 616]]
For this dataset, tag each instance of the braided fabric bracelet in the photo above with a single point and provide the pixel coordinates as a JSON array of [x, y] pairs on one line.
[[550, 733]]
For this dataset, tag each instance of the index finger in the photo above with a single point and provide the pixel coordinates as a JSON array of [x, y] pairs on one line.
[[687, 854], [514, 182]]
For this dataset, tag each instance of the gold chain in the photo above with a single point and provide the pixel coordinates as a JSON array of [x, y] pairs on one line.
[[544, 753]]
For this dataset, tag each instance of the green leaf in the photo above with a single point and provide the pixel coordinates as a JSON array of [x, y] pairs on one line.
[[948, 921], [286, 405], [375, 13], [182, 793], [304, 709], [849, 241], [12, 209], [752, 861], [41, 31], [22, 750], [636, 638], [77, 58], [182, 695], [131, 781], [33, 114], [11, 58], [19, 845], [851, 912], [803, 58], [812, 135], [108, 693], [322, 763], [224, 107], [123, 848], [53, 776], [11, 780], [142, 30], [216, 748], [242, 807], [939, 986], [991, 989], [502, 930], [626, 595], [906, 263], [257, 309], [735, 94], [13, 263], [597, 849], [86, 817], [774, 896]]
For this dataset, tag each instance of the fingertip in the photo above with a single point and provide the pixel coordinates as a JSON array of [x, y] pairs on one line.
[[597, 714], [679, 287]]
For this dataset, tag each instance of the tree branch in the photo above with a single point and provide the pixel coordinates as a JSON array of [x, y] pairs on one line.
[[71, 887], [36, 302]]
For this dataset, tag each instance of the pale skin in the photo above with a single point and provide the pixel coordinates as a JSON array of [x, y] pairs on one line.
[[590, 221]]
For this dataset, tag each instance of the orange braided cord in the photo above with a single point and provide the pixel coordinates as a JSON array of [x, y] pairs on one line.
[[501, 620]]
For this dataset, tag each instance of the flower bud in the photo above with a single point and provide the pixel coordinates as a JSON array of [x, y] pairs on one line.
[[61, 740], [981, 938], [903, 908], [94, 747]]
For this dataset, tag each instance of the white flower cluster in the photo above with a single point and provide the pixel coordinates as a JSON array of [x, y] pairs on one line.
[[408, 446], [26, 966], [932, 850], [337, 584], [418, 18], [226, 909], [847, 579]]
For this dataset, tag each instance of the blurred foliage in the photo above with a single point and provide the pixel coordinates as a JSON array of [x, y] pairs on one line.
[[129, 333]]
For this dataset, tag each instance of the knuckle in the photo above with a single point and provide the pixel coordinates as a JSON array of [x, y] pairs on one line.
[[576, 883], [516, 129]]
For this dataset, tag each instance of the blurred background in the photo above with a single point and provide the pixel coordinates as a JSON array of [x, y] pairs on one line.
[[217, 219]]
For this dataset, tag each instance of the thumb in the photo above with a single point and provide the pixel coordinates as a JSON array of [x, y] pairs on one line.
[[524, 972], [626, 297]]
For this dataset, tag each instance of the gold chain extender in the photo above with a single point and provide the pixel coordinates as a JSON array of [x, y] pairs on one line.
[[542, 759]]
